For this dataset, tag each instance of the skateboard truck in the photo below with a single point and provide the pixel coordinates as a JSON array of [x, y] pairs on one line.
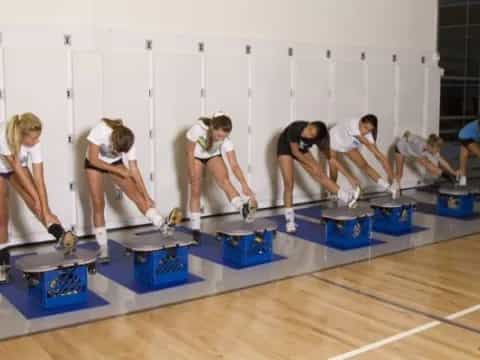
[[249, 210], [174, 218], [67, 243]]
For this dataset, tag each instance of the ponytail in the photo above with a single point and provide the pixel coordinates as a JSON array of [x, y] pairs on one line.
[[122, 137], [407, 134], [19, 126], [219, 121], [434, 140]]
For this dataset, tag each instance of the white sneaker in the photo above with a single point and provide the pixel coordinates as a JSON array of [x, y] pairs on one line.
[[291, 227], [355, 195], [395, 190]]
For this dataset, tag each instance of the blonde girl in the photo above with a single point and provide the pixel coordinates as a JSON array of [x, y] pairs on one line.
[[19, 143], [426, 152]]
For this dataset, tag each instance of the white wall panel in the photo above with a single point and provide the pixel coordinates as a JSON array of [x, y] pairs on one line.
[[381, 102], [36, 81], [271, 104], [349, 90], [410, 111], [87, 89], [431, 123], [177, 107], [227, 84], [411, 98]]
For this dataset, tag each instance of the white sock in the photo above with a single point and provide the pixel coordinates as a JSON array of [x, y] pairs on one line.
[[289, 215], [101, 236], [463, 181], [237, 202], [153, 215], [195, 220], [383, 183]]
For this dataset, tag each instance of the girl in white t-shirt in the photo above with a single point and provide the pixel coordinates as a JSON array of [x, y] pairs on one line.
[[108, 141], [347, 138], [425, 152], [207, 140], [19, 143]]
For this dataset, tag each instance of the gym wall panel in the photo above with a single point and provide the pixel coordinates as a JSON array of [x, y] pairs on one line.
[[410, 111], [431, 122], [177, 85], [126, 83], [87, 109], [36, 81], [312, 102], [271, 113], [227, 84], [381, 102], [113, 70]]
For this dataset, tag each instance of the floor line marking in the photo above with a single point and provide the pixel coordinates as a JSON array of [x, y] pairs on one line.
[[386, 341], [437, 320]]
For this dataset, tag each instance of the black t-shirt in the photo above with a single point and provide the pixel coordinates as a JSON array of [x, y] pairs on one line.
[[293, 134]]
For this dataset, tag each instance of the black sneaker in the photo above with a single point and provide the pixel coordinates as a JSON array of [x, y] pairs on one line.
[[4, 274], [196, 235], [248, 210]]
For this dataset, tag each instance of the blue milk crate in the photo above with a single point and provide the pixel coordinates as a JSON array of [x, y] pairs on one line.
[[460, 206], [61, 287], [162, 268], [397, 221], [248, 250], [348, 234]]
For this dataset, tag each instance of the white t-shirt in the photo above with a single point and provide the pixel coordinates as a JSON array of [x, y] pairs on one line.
[[34, 153], [198, 135], [100, 135], [344, 136], [416, 146], [413, 145]]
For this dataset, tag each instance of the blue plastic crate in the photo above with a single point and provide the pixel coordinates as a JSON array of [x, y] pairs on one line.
[[162, 268], [395, 221], [62, 287], [248, 250], [461, 206], [349, 233]]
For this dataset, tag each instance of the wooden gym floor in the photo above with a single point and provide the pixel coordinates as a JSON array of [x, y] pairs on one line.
[[419, 304]]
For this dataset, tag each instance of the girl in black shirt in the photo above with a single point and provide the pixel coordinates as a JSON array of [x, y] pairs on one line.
[[294, 144]]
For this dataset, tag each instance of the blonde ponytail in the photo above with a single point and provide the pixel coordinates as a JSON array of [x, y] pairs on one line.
[[19, 126]]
